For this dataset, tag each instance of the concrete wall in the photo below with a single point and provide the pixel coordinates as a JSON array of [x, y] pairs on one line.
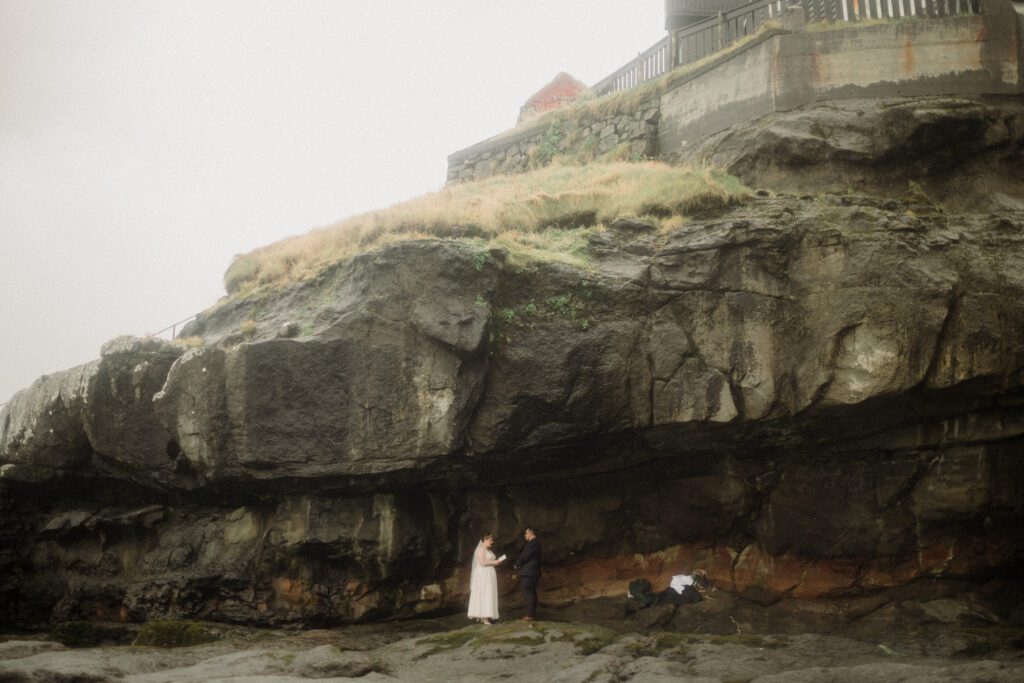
[[738, 89], [961, 55], [964, 55], [781, 70], [1018, 7]]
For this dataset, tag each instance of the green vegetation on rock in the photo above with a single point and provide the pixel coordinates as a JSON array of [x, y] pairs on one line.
[[171, 633], [586, 639]]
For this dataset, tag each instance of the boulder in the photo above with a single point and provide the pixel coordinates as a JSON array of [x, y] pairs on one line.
[[966, 152]]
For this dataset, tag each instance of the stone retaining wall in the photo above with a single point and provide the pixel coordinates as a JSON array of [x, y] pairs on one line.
[[618, 136]]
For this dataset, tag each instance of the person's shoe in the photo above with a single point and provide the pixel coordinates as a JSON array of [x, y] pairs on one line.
[[526, 618]]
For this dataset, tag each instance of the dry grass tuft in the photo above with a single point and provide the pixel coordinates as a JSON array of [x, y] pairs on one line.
[[192, 342], [544, 214]]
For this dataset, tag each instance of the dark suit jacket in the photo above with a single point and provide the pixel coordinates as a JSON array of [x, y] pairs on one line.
[[528, 563]]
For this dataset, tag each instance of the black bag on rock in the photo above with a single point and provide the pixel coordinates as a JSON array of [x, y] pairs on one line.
[[691, 595], [640, 590], [669, 596]]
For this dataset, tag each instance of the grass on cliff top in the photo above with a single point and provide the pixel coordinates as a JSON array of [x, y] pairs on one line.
[[536, 215]]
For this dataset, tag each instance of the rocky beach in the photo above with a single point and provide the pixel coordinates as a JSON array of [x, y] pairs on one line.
[[896, 637]]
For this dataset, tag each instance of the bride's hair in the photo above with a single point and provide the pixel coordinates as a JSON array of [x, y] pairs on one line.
[[485, 537]]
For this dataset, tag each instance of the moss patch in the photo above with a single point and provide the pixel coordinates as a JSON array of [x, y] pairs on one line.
[[444, 642], [586, 639], [173, 634]]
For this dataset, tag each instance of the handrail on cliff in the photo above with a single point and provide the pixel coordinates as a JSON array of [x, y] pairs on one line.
[[648, 65], [172, 327]]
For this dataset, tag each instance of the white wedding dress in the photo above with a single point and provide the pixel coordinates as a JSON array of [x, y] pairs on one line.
[[483, 586]]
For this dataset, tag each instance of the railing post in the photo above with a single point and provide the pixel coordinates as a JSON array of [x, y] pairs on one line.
[[670, 63], [721, 31], [639, 69], [795, 19]]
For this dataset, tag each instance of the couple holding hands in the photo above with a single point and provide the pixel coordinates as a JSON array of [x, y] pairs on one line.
[[483, 580]]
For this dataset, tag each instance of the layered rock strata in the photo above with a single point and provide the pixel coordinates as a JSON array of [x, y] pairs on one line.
[[803, 396]]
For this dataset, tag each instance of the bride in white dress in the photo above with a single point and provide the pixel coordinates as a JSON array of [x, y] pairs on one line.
[[483, 582]]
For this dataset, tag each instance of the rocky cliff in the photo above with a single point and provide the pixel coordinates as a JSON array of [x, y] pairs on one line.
[[803, 395]]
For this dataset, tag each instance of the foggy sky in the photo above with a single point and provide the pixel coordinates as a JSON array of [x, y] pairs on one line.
[[143, 144]]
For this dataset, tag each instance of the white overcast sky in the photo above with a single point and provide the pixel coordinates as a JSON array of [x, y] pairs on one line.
[[144, 143]]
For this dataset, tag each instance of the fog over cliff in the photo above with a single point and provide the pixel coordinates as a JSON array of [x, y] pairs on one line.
[[142, 144]]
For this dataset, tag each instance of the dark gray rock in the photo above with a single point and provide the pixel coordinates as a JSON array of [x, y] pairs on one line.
[[803, 397], [966, 152], [628, 225], [327, 661], [288, 331], [654, 616]]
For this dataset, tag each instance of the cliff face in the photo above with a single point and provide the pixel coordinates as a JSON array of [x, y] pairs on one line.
[[803, 395], [968, 151]]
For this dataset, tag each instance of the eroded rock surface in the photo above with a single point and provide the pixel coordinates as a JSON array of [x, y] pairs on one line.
[[968, 152], [803, 396]]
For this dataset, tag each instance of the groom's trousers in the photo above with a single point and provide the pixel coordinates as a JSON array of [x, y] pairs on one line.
[[530, 594]]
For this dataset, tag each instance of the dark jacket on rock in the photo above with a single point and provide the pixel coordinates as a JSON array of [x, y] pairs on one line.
[[528, 563]]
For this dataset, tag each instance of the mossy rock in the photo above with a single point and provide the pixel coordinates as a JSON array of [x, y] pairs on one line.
[[586, 639], [443, 642], [89, 634], [173, 634]]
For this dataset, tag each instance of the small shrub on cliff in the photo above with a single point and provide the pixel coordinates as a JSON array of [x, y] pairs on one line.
[[193, 342], [550, 144], [243, 268], [248, 328], [709, 199], [173, 634]]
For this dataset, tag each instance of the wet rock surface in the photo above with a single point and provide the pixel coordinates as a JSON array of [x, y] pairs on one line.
[[598, 640]]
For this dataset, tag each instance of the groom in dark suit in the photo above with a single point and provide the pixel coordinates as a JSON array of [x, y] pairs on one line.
[[528, 565]]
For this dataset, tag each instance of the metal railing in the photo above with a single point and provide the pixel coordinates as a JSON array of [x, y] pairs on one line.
[[696, 41], [699, 40], [648, 65], [689, 44], [173, 328], [859, 10]]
